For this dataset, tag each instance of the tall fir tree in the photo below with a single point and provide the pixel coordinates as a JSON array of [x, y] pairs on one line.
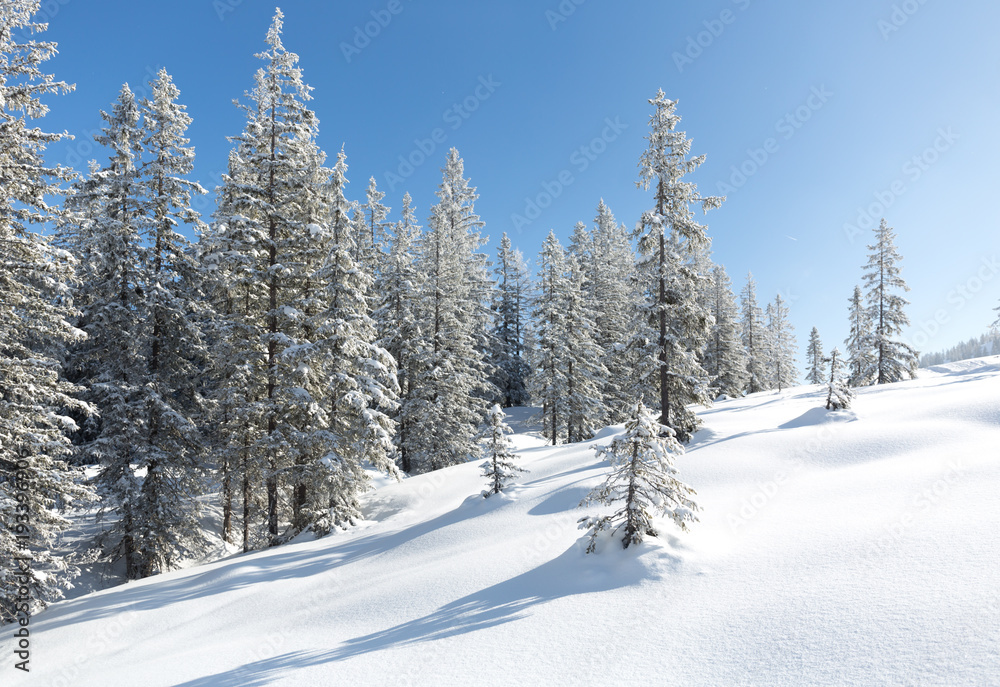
[[585, 372], [754, 337], [453, 385], [36, 400], [548, 380], [669, 240], [510, 311], [725, 358], [612, 261], [781, 341], [893, 359], [859, 356], [816, 374], [399, 285]]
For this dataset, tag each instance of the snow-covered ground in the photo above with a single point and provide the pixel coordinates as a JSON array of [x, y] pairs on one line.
[[859, 547]]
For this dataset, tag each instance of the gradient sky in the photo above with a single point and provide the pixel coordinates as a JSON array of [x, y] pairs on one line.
[[819, 118]]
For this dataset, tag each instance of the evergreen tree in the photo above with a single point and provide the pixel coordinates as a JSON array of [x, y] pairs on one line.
[[454, 377], [373, 237], [725, 359], [585, 409], [643, 481], [782, 345], [509, 315], [859, 357], [548, 381], [36, 401], [499, 468], [669, 239], [612, 261], [112, 360], [839, 395], [814, 356], [754, 337], [399, 284], [893, 359]]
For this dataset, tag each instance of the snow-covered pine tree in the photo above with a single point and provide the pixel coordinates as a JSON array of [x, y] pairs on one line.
[[753, 333], [399, 286], [35, 399], [276, 146], [548, 379], [893, 360], [782, 345], [371, 242], [358, 377], [585, 374], [454, 315], [614, 308], [510, 312], [725, 358], [233, 259], [669, 239], [112, 360], [168, 509], [499, 469], [839, 394], [815, 358], [859, 355], [642, 483]]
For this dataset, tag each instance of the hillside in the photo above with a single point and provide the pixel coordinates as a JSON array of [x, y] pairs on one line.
[[849, 548]]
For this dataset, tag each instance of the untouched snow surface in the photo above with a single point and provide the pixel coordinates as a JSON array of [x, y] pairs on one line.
[[859, 547]]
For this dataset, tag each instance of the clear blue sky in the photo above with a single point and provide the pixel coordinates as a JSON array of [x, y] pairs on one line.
[[848, 93]]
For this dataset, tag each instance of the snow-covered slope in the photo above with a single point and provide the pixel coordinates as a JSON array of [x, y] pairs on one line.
[[853, 548]]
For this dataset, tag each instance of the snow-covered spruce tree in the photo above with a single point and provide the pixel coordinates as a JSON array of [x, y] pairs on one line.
[[642, 483], [371, 241], [782, 345], [35, 399], [510, 311], [399, 287], [612, 262], [112, 360], [725, 358], [859, 356], [357, 375], [277, 154], [839, 394], [669, 239], [548, 378], [234, 258], [168, 509], [585, 374], [499, 469], [893, 359], [815, 358], [753, 334], [454, 317]]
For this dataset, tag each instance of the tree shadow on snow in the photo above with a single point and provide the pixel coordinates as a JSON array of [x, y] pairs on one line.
[[572, 573]]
